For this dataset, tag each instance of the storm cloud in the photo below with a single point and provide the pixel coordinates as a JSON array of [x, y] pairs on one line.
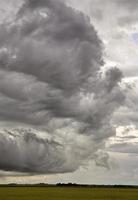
[[51, 79]]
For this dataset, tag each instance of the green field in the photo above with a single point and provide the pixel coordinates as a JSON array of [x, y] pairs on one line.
[[60, 193]]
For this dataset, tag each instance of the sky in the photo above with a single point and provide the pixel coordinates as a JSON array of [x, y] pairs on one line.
[[69, 91]]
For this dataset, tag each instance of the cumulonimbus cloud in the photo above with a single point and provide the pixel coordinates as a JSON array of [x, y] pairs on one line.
[[50, 69]]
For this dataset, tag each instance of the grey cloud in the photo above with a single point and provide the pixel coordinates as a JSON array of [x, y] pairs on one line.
[[130, 148], [101, 11], [128, 7], [33, 154], [50, 77], [101, 159], [129, 4], [118, 10], [127, 114], [29, 153], [123, 14]]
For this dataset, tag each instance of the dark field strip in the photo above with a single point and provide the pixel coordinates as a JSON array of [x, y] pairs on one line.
[[64, 193]]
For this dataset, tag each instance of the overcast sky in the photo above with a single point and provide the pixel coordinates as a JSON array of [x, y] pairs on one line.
[[69, 91]]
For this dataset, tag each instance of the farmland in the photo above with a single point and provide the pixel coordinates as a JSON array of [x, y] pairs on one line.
[[67, 193]]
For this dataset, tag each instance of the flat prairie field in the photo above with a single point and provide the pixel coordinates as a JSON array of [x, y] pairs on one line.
[[65, 193]]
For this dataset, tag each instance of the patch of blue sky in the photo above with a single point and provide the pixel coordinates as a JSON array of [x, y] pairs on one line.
[[135, 37]]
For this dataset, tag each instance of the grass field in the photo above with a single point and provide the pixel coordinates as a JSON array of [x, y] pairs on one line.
[[59, 193]]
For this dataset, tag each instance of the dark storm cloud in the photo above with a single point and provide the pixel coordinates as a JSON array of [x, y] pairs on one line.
[[30, 153], [50, 76], [26, 151]]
